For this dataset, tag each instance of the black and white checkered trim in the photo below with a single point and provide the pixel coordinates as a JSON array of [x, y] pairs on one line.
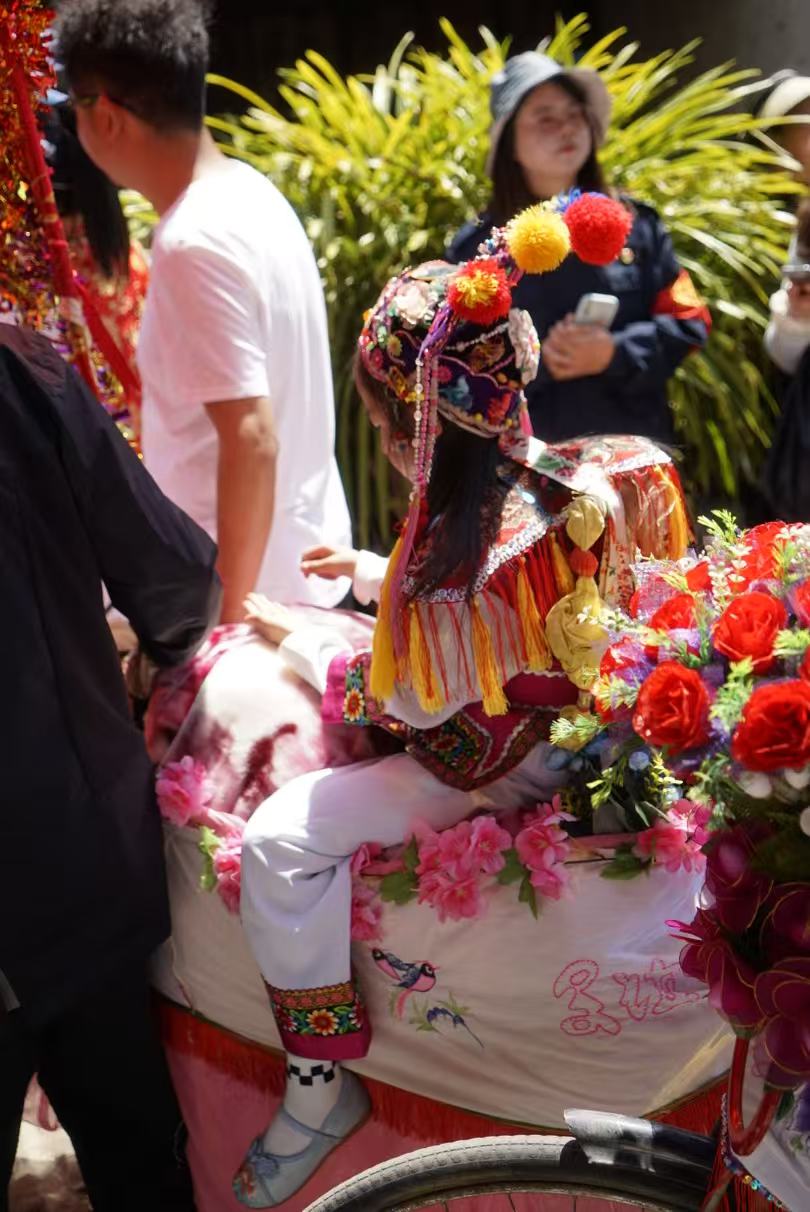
[[325, 1072]]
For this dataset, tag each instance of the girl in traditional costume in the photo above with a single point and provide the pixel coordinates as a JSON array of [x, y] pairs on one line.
[[475, 601]]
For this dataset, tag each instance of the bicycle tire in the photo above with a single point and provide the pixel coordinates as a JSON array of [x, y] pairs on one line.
[[665, 1170]]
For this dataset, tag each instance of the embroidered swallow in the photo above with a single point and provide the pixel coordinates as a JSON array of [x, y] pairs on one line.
[[410, 978]]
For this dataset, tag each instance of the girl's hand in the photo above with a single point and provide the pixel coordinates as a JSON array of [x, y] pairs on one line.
[[572, 351], [270, 620], [329, 562]]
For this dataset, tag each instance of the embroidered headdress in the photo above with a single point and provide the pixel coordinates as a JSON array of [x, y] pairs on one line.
[[446, 340]]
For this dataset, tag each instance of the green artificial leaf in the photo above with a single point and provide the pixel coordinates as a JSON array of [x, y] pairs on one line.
[[398, 887], [581, 729], [731, 697], [208, 844], [513, 869], [528, 895], [410, 856], [624, 865], [792, 644], [721, 525]]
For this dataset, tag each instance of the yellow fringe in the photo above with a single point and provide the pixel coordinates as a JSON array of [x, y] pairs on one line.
[[679, 523], [531, 625], [489, 679], [562, 572], [383, 672], [423, 676]]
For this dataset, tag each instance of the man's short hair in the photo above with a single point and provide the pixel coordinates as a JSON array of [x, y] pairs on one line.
[[149, 55]]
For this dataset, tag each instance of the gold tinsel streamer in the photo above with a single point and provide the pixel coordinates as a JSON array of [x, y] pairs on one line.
[[26, 281], [37, 283]]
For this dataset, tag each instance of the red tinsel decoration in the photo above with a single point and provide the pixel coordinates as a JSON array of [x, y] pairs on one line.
[[599, 227], [480, 292]]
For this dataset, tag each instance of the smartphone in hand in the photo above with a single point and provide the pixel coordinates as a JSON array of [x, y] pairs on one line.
[[596, 309]]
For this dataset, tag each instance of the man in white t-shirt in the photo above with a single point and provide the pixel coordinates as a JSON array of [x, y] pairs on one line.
[[238, 412]]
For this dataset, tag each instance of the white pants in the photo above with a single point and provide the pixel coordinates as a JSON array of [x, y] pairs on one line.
[[298, 845]]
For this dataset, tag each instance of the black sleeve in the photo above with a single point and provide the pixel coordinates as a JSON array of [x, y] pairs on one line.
[[464, 244], [648, 352], [157, 565]]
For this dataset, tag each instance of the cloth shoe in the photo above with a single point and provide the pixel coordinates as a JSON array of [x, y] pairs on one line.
[[265, 1180]]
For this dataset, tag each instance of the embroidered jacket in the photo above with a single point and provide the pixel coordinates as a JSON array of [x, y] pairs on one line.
[[481, 685]]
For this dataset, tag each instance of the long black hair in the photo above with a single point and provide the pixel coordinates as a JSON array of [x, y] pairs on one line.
[[465, 492], [510, 190], [82, 189]]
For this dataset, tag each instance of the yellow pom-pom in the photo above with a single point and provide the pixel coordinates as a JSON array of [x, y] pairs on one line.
[[538, 240]]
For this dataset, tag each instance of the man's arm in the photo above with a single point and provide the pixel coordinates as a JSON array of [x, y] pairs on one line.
[[246, 484], [157, 564]]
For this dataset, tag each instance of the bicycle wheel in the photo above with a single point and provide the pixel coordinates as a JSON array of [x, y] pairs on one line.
[[614, 1162]]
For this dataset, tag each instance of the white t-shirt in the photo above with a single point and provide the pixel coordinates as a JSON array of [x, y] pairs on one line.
[[235, 310]]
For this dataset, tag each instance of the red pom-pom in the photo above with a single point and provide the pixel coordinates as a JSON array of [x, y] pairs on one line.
[[583, 563], [599, 227], [480, 292]]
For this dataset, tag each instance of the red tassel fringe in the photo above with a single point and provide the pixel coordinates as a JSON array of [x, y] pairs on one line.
[[408, 1114]]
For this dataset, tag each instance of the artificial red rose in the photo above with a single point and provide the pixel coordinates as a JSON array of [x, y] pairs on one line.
[[627, 658], [677, 613], [759, 561], [800, 602], [672, 708], [774, 731], [748, 628], [698, 579]]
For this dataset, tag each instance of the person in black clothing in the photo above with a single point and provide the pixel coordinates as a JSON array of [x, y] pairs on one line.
[[83, 899], [548, 123]]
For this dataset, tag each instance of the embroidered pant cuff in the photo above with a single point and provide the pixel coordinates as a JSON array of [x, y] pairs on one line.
[[329, 1023]]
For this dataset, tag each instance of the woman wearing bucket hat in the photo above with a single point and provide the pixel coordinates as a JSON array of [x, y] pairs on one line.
[[548, 123]]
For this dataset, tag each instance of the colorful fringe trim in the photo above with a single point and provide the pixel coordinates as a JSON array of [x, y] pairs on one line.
[[409, 1114]]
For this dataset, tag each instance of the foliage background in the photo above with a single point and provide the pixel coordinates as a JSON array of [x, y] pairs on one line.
[[384, 168]]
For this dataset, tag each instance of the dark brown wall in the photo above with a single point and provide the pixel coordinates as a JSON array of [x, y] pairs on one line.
[[252, 38]]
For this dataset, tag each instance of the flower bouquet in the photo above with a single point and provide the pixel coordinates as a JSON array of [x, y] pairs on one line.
[[708, 679]]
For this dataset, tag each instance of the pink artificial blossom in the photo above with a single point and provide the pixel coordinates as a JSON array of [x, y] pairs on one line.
[[669, 844], [456, 851], [228, 871], [553, 882], [427, 839], [696, 816], [184, 792], [366, 913], [542, 844], [368, 853], [488, 842], [451, 898]]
